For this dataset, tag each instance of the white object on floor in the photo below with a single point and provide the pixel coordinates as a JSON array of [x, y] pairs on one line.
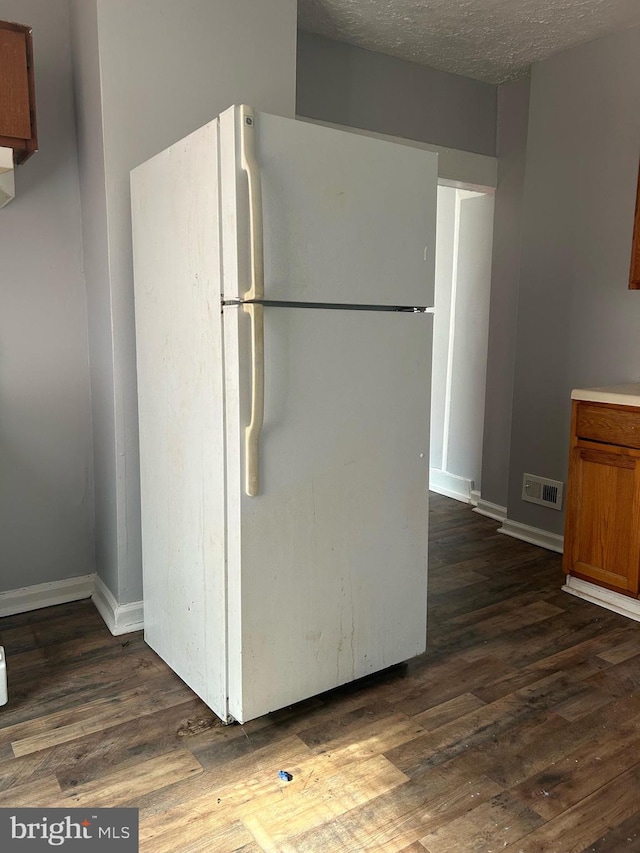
[[7, 182], [4, 696]]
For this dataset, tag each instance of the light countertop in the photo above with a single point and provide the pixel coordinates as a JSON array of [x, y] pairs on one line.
[[621, 395]]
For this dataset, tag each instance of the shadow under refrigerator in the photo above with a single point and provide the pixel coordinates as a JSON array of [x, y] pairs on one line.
[[283, 277]]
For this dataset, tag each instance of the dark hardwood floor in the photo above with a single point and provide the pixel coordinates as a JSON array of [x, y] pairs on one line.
[[518, 730]]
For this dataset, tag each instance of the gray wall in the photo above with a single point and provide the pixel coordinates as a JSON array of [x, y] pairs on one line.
[[46, 485], [347, 85], [513, 117], [165, 68], [85, 55], [577, 321]]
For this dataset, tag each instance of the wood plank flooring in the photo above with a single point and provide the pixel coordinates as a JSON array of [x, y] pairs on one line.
[[517, 731]]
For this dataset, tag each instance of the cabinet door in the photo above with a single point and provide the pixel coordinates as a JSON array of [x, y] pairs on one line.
[[17, 94], [604, 518]]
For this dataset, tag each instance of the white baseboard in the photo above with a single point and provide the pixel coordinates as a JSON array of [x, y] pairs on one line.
[[45, 595], [119, 618], [607, 598], [495, 511], [450, 485], [533, 535]]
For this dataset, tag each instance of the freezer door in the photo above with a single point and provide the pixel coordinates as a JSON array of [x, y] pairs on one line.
[[327, 566], [347, 218]]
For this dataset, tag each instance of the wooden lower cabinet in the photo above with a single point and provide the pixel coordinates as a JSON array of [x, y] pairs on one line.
[[602, 531]]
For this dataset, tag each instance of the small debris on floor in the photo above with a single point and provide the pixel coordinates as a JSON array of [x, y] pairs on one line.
[[285, 775], [198, 725]]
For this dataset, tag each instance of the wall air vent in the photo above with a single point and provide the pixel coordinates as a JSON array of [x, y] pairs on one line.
[[539, 490]]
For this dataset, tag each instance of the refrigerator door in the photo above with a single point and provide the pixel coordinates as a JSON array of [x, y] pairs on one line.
[[327, 566], [346, 218]]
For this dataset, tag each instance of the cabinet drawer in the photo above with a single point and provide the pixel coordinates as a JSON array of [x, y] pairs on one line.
[[608, 424]]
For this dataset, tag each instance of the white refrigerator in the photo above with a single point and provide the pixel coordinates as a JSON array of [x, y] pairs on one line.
[[283, 277]]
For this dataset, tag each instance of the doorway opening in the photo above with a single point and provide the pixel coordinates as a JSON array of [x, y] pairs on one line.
[[464, 240]]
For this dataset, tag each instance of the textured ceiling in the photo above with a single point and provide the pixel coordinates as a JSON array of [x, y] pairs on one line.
[[491, 40]]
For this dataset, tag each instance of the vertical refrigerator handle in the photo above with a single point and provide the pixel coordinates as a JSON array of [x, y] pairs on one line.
[[256, 291], [252, 432]]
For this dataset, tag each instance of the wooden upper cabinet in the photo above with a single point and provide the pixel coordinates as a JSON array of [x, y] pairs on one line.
[[634, 278], [17, 91]]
